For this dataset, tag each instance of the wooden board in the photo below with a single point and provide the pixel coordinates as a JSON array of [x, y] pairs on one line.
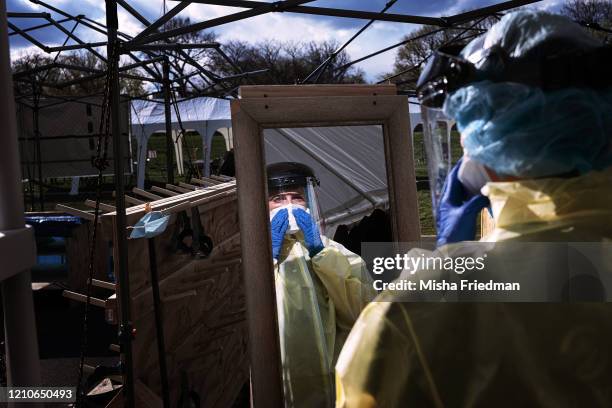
[[77, 256], [203, 303], [292, 91], [302, 106]]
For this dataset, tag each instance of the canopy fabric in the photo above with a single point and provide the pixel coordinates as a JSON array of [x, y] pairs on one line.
[[148, 112], [349, 161], [204, 115]]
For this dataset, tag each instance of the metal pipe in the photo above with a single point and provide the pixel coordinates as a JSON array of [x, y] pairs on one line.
[[406, 41], [23, 366], [27, 15], [159, 324], [35, 112], [369, 15], [169, 46], [168, 117], [28, 37], [329, 59], [168, 15], [333, 12], [127, 7], [152, 27], [125, 334], [264, 8], [25, 30], [70, 34], [76, 47]]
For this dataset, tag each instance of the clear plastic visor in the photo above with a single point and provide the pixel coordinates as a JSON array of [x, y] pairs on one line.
[[437, 141], [297, 195]]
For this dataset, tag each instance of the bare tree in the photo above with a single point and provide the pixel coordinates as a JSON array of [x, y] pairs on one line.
[[46, 81], [184, 60], [597, 13], [412, 56], [286, 62]]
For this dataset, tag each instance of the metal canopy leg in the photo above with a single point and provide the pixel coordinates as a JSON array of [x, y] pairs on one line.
[[17, 248]]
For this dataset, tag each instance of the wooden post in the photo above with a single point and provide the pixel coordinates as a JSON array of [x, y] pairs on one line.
[[401, 178], [264, 346], [120, 250]]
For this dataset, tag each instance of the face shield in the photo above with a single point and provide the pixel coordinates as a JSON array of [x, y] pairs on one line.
[[292, 188], [535, 49], [437, 141], [444, 72]]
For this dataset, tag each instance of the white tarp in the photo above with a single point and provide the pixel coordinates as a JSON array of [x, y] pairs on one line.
[[204, 115], [349, 161]]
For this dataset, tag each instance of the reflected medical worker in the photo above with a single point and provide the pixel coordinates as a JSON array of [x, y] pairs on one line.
[[321, 287], [532, 98]]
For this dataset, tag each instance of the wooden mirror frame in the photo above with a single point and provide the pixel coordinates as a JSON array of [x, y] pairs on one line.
[[262, 107]]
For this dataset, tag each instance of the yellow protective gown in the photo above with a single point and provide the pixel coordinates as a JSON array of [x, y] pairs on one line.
[[495, 354], [318, 301]]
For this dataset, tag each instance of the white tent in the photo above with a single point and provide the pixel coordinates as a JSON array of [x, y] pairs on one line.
[[204, 115]]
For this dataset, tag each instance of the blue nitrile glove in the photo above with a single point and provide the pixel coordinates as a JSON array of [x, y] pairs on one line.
[[456, 216], [312, 237], [278, 227]]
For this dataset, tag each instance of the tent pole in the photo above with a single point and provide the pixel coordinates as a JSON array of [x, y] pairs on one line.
[[36, 111], [125, 329], [21, 346], [169, 143]]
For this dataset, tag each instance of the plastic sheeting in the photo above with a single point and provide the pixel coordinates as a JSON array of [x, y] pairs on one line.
[[349, 161]]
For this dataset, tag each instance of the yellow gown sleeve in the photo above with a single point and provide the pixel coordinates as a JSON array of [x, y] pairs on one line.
[[377, 359], [347, 281]]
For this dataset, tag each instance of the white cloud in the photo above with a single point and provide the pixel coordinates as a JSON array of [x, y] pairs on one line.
[[17, 53], [272, 26], [279, 26], [549, 5], [290, 27], [378, 36]]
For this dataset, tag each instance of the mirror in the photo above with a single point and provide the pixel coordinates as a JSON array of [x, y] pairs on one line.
[[321, 288], [283, 115]]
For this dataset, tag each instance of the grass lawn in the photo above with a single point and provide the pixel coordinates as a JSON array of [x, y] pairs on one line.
[[424, 196]]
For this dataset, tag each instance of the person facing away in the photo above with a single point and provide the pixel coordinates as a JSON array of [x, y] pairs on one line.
[[532, 98], [321, 287]]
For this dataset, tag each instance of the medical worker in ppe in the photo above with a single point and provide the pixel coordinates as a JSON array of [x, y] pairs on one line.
[[321, 287], [532, 98]]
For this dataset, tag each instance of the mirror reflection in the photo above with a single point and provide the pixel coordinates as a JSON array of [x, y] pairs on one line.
[[327, 193]]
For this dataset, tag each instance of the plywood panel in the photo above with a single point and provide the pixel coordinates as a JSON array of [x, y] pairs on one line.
[[202, 301], [77, 256]]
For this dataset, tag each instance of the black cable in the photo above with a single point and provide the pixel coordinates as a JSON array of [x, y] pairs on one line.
[[100, 161]]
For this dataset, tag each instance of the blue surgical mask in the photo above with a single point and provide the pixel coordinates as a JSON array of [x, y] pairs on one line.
[[151, 225], [472, 175]]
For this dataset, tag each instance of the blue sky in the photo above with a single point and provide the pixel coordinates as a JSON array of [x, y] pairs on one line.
[[279, 26]]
